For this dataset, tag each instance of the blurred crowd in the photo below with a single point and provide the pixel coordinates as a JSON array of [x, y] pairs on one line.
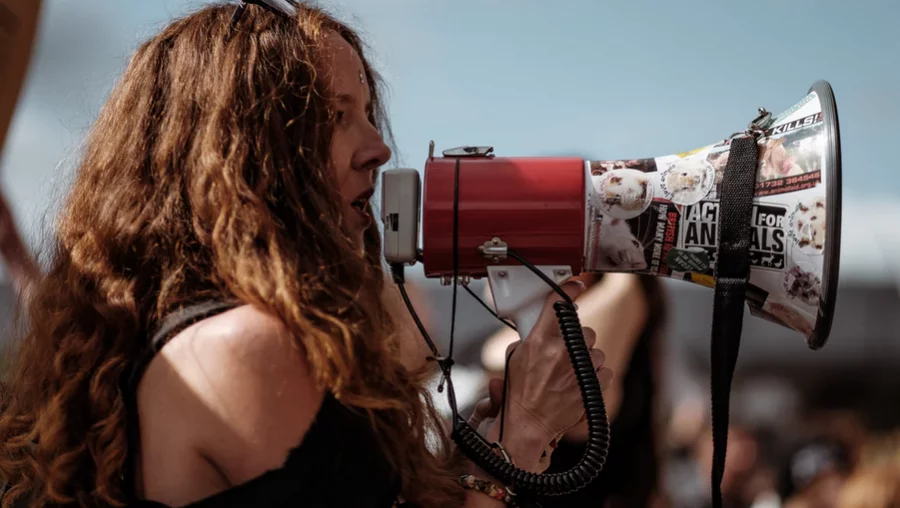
[[661, 447]]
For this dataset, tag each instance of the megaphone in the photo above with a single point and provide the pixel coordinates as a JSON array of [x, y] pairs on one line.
[[661, 216], [655, 216]]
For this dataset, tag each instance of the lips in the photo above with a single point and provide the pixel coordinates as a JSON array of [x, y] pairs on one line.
[[360, 205], [362, 200]]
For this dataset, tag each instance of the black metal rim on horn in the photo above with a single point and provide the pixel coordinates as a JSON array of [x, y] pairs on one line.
[[831, 266]]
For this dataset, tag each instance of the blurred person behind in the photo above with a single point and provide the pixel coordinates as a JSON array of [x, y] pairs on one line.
[[748, 481], [872, 486], [875, 481], [815, 472], [628, 313]]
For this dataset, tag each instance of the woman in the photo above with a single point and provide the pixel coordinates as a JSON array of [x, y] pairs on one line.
[[222, 211], [628, 313]]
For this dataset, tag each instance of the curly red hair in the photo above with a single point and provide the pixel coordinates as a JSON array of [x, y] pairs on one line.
[[206, 177]]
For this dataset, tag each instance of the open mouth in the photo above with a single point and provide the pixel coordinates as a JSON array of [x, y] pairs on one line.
[[362, 201]]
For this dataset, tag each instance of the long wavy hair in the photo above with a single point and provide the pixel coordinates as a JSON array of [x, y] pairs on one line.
[[206, 176]]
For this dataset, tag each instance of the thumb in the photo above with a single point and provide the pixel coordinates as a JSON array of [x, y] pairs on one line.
[[572, 287], [547, 322], [490, 406], [495, 390]]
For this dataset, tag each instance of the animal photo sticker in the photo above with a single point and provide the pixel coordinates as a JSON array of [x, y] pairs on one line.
[[807, 225], [801, 284], [718, 159], [644, 165], [687, 181], [791, 155], [623, 193], [615, 247]]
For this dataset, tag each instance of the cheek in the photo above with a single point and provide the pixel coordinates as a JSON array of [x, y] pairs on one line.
[[340, 163]]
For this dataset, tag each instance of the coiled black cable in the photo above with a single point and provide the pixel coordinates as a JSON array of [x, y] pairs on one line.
[[526, 483]]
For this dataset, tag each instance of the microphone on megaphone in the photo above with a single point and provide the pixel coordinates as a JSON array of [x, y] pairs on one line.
[[755, 216]]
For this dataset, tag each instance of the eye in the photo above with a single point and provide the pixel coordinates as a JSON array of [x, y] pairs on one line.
[[340, 116]]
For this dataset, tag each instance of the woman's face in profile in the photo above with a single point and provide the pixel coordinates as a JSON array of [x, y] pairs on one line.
[[357, 149]]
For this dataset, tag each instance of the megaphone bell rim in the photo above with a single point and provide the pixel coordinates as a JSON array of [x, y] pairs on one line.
[[831, 265]]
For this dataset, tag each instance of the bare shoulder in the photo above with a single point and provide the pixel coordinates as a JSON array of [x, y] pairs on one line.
[[243, 390]]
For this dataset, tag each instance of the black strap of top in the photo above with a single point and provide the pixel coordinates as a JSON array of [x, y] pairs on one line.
[[732, 276], [170, 326]]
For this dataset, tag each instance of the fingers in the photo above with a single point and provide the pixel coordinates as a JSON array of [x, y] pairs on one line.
[[605, 376], [511, 347], [482, 408], [488, 407], [495, 392], [590, 337], [573, 288], [547, 323], [598, 358]]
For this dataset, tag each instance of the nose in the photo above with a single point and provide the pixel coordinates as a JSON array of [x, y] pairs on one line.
[[373, 154]]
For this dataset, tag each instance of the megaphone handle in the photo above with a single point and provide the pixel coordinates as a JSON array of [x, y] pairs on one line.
[[527, 316], [520, 295]]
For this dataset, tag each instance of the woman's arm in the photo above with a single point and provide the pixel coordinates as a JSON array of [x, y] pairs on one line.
[[244, 396]]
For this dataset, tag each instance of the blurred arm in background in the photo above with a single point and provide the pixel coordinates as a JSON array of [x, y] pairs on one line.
[[18, 24], [22, 267]]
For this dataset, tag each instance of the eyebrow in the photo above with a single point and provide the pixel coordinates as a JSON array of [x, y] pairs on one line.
[[346, 98]]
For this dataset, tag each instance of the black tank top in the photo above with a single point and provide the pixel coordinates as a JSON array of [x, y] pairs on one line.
[[338, 463]]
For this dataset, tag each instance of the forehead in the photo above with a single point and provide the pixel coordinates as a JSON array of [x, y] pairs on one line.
[[345, 67]]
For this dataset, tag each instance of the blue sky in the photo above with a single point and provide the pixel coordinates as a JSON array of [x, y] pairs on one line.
[[621, 79]]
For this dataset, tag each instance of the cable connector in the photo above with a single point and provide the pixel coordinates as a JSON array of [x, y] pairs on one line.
[[397, 273]]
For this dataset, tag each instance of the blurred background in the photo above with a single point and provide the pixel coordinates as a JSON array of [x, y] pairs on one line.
[[598, 80]]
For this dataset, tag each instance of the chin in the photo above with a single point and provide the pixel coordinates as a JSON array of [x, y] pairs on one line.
[[359, 238]]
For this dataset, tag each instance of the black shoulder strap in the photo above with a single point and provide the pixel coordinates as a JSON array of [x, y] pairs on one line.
[[732, 277], [169, 327], [185, 318]]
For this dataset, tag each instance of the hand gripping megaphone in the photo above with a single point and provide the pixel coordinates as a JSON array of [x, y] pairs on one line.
[[755, 216]]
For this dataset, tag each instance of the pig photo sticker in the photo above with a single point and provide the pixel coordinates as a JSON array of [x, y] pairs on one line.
[[807, 225], [687, 181], [623, 193]]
